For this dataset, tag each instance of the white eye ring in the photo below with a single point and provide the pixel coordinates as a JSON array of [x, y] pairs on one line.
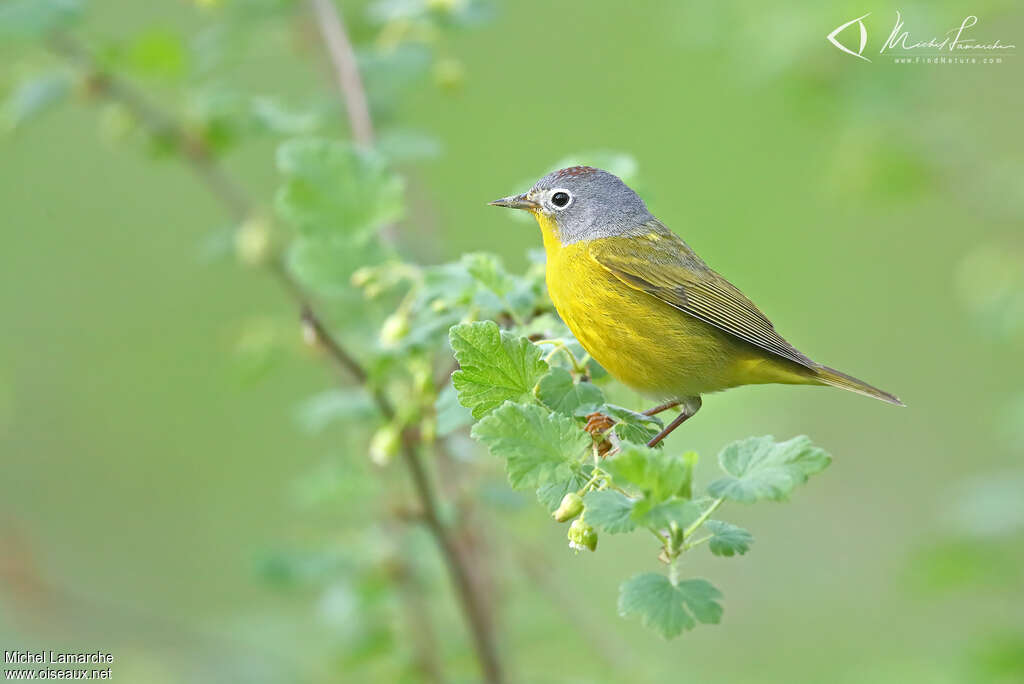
[[560, 199]]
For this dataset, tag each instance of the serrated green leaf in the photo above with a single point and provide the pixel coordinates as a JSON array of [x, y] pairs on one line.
[[558, 392], [495, 366], [325, 265], [497, 292], [539, 447], [35, 95], [335, 188], [661, 515], [34, 18], [761, 468], [488, 270], [658, 475], [451, 415], [632, 426], [666, 608], [550, 495], [609, 510], [728, 539]]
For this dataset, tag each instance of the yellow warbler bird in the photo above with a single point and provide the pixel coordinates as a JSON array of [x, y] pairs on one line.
[[647, 308]]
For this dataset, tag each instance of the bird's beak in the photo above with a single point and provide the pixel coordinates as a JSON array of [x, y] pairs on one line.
[[516, 202]]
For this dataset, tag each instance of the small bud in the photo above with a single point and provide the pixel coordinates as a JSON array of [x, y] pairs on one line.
[[445, 6], [384, 445], [252, 241], [362, 276], [309, 335], [117, 122], [449, 74], [428, 430], [582, 536], [396, 327], [438, 305], [571, 506], [422, 376]]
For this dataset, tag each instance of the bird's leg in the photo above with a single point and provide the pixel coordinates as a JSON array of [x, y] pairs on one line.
[[662, 407], [690, 407]]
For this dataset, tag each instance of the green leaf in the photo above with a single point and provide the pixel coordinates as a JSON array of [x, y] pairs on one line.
[[728, 539], [632, 426], [317, 412], [539, 447], [690, 462], [497, 291], [400, 145], [761, 468], [610, 510], [157, 52], [657, 474], [558, 392], [451, 415], [666, 608], [335, 188], [495, 366], [34, 96], [325, 265], [34, 18], [660, 515], [274, 117], [488, 270], [550, 495]]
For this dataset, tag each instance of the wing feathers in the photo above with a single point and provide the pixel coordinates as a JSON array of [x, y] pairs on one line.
[[671, 272]]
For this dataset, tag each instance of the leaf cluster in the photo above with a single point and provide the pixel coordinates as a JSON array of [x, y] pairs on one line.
[[556, 434]]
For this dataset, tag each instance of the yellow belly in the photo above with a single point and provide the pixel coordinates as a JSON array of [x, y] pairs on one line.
[[644, 342]]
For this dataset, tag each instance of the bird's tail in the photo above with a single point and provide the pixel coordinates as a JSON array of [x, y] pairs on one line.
[[830, 376]]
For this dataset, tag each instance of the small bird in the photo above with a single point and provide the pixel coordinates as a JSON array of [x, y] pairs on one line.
[[647, 308]]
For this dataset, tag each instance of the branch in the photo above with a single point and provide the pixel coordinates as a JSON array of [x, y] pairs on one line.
[[229, 193], [191, 147], [471, 600], [343, 61]]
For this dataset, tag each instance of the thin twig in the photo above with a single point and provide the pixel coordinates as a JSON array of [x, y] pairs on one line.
[[230, 194], [158, 124], [346, 71]]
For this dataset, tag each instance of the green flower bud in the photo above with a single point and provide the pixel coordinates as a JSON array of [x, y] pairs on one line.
[[449, 74], [362, 276], [396, 327], [252, 242], [445, 6], [571, 506], [384, 444], [582, 536], [117, 122]]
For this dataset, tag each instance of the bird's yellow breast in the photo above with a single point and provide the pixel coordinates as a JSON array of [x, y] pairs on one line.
[[642, 341]]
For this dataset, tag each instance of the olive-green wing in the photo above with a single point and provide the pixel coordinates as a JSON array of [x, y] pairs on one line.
[[660, 263]]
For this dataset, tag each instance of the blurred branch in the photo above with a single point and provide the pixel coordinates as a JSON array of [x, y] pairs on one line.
[[343, 61], [421, 629], [230, 194], [159, 124], [474, 607]]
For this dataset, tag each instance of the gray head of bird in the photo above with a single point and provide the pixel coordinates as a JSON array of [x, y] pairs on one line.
[[583, 203]]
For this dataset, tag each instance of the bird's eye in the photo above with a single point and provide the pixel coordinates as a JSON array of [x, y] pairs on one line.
[[561, 199]]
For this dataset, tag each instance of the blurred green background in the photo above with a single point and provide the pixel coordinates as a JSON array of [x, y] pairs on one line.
[[874, 211]]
